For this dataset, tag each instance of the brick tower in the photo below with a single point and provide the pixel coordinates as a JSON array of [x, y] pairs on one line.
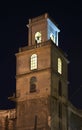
[[41, 79]]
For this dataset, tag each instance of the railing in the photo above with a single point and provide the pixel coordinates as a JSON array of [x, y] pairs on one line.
[[34, 46], [12, 114]]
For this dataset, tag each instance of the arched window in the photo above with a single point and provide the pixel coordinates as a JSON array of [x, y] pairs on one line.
[[33, 81], [33, 62], [59, 66], [33, 88], [38, 37], [52, 37], [59, 88]]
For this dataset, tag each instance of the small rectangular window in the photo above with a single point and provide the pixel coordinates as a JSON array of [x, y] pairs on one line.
[[59, 66], [60, 110]]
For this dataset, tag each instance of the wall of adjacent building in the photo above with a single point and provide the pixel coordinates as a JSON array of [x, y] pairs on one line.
[[74, 118]]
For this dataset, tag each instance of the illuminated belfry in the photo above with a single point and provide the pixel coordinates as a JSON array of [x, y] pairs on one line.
[[41, 79], [42, 29]]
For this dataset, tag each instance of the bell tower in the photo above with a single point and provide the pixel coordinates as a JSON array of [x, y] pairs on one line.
[[42, 29], [41, 79]]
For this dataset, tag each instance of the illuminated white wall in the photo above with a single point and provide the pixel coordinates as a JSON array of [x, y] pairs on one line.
[[52, 31]]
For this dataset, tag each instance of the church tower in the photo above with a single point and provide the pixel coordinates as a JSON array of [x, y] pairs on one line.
[[41, 79]]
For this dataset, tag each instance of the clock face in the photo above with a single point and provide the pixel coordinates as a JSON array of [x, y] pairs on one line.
[[38, 37]]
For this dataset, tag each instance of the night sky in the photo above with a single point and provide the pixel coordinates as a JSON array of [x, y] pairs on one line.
[[14, 34]]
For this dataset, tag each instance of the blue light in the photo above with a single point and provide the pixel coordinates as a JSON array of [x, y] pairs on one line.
[[52, 31]]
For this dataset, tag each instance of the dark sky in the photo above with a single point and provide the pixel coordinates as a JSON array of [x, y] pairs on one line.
[[13, 34]]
